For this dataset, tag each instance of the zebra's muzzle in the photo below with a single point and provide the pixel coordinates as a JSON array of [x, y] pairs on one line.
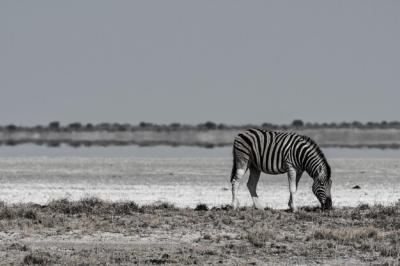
[[328, 204]]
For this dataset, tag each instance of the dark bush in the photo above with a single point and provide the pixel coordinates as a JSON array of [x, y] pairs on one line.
[[145, 125], [394, 124], [175, 126], [332, 125], [297, 123], [53, 143], [11, 142], [344, 125], [74, 144], [207, 126], [120, 127], [38, 128], [75, 126], [89, 127], [103, 126], [357, 124], [268, 126], [11, 127], [222, 126], [55, 125], [125, 127], [201, 207]]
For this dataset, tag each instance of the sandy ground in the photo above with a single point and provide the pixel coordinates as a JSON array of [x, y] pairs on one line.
[[184, 182], [94, 232]]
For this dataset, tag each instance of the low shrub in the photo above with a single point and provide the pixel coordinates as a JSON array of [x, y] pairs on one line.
[[201, 207]]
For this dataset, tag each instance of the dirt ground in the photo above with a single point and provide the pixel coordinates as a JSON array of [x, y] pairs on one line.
[[94, 232]]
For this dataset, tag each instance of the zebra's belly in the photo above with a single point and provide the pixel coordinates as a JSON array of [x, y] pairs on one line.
[[280, 169], [275, 172]]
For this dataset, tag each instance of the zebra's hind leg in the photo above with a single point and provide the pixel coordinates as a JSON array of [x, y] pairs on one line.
[[252, 186], [235, 186], [238, 170], [293, 178]]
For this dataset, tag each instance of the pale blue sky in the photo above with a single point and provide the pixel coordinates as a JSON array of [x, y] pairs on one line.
[[193, 61]]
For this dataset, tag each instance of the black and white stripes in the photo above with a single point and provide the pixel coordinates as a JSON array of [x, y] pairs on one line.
[[274, 152]]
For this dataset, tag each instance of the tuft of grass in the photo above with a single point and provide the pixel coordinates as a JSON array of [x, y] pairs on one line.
[[125, 208], [348, 234], [37, 258], [164, 206], [363, 207], [18, 246], [13, 212], [7, 213], [207, 236], [93, 206], [380, 210], [304, 215], [260, 234], [201, 207], [29, 214], [167, 206], [85, 205]]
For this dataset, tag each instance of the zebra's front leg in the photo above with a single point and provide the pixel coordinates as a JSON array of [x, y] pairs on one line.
[[293, 180], [252, 186], [235, 181]]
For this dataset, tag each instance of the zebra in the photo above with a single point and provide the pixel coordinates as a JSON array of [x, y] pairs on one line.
[[274, 152]]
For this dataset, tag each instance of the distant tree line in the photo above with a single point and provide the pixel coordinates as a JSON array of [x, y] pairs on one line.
[[56, 126]]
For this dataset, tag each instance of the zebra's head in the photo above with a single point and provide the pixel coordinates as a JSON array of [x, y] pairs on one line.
[[322, 187]]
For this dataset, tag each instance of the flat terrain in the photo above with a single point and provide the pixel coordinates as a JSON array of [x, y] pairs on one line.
[[185, 182], [112, 211], [91, 231]]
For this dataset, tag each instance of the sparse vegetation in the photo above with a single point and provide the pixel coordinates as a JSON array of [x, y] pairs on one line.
[[126, 233], [209, 134], [209, 125]]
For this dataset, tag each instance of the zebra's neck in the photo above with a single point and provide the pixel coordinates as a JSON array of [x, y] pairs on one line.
[[313, 163], [311, 158]]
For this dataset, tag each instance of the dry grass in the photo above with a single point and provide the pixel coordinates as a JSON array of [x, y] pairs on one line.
[[37, 258], [348, 235], [95, 232], [260, 234]]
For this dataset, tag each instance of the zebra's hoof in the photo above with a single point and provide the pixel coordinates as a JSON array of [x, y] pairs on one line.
[[235, 205], [257, 204], [258, 207]]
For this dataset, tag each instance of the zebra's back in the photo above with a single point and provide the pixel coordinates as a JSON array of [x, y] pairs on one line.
[[266, 150]]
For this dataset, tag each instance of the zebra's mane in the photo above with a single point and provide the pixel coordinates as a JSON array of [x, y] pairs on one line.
[[319, 152]]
